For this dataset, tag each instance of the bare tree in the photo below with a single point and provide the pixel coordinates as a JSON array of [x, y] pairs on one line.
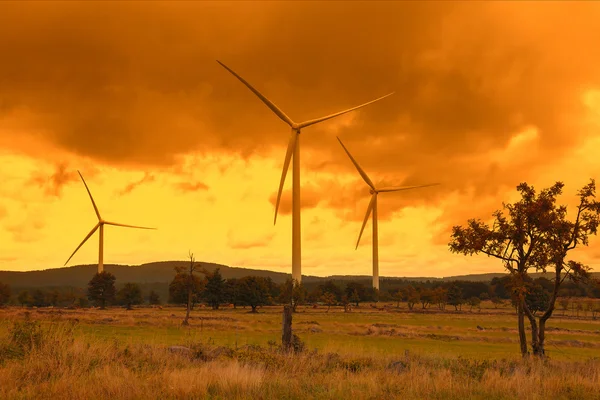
[[190, 278]]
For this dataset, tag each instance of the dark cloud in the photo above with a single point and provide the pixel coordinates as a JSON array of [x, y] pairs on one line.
[[138, 83], [52, 184], [129, 188]]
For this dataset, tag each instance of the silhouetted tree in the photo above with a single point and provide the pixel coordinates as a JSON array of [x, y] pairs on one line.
[[329, 299], [356, 292], [517, 239], [562, 236], [39, 298], [101, 289], [534, 234], [315, 295], [331, 287], [254, 291], [455, 296], [473, 302], [190, 283], [215, 292], [24, 298], [232, 290], [4, 293], [153, 298], [412, 296], [130, 295], [292, 293]]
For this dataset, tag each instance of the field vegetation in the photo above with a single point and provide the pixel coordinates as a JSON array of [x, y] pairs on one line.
[[366, 353]]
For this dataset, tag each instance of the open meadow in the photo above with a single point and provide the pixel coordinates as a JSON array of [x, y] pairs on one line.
[[368, 353]]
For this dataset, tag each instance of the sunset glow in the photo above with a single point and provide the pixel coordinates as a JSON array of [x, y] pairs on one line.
[[485, 99]]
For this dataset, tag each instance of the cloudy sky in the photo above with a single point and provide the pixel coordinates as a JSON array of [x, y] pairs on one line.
[[487, 95]]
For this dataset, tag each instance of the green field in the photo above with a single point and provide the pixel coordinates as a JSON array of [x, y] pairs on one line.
[[364, 330], [119, 354]]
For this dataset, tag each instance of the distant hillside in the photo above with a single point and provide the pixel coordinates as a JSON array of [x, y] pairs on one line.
[[162, 273], [156, 272]]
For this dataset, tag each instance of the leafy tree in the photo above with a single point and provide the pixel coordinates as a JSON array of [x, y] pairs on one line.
[[232, 290], [483, 296], [39, 298], [130, 295], [517, 239], [292, 293], [178, 289], [329, 299], [474, 302], [315, 295], [397, 296], [53, 298], [562, 236], [455, 296], [496, 301], [564, 303], [426, 296], [215, 292], [331, 287], [188, 282], [412, 296], [153, 298], [101, 289], [24, 298], [254, 291], [4, 293], [534, 234], [356, 292], [440, 297]]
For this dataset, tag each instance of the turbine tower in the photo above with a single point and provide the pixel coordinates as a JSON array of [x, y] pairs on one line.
[[293, 149], [100, 225], [373, 207]]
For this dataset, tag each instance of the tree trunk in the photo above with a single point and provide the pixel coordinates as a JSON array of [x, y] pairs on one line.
[[286, 328], [534, 330], [521, 327], [189, 306], [254, 308]]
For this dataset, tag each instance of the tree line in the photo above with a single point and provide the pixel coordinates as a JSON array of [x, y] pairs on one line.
[[212, 290]]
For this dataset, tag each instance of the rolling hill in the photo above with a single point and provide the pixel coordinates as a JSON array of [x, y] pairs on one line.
[[162, 272]]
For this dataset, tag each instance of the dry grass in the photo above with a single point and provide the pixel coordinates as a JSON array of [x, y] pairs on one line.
[[55, 361]]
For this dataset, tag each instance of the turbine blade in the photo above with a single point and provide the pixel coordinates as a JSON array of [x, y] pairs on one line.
[[127, 226], [267, 102], [369, 209], [84, 240], [397, 189], [317, 120], [91, 198], [286, 165], [358, 168]]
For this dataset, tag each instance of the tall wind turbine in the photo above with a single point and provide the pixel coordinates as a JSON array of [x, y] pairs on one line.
[[100, 225], [293, 149], [373, 207]]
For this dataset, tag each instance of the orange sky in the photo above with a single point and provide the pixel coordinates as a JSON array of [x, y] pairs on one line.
[[487, 95]]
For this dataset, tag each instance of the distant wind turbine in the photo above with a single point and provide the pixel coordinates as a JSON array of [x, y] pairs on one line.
[[293, 149], [373, 207], [100, 225]]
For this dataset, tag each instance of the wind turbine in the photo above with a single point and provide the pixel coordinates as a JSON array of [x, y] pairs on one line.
[[100, 225], [373, 207], [293, 149]]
